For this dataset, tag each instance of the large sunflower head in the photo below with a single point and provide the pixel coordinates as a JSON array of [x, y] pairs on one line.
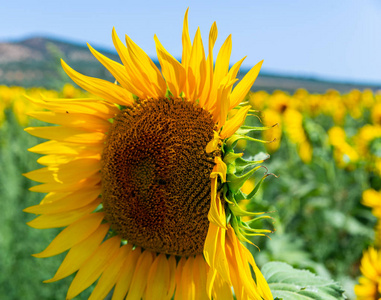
[[145, 178]]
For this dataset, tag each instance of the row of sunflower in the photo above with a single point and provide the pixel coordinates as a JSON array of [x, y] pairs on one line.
[[338, 136]]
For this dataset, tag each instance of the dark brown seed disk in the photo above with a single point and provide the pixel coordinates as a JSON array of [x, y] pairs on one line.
[[156, 175]]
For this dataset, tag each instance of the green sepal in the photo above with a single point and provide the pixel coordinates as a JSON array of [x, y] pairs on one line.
[[241, 164], [224, 192], [257, 186], [236, 164], [247, 129], [236, 182], [230, 157], [239, 212], [239, 196], [232, 141], [168, 94], [236, 226], [245, 225]]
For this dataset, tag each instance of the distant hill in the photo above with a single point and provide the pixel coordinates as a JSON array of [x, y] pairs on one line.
[[36, 62]]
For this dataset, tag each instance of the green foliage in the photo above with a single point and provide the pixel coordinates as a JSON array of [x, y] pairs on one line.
[[287, 283]]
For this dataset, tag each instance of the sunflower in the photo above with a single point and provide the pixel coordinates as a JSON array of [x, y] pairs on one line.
[[145, 178], [369, 287], [372, 198]]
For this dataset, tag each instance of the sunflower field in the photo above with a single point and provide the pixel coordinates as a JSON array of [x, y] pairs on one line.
[[323, 193]]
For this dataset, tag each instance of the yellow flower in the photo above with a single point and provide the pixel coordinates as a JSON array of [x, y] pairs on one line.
[[145, 180], [369, 287], [258, 99], [367, 98], [293, 123], [352, 101], [372, 198], [343, 152], [69, 91], [280, 102], [272, 118], [363, 137], [305, 151], [376, 114]]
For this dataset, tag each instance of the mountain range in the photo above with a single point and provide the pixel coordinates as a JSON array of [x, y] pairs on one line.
[[35, 61]]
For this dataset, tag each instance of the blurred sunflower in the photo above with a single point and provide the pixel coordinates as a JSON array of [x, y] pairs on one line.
[[293, 124], [369, 287], [272, 118], [146, 179], [344, 154], [372, 198]]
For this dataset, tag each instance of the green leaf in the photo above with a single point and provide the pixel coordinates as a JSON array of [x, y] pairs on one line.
[[288, 283]]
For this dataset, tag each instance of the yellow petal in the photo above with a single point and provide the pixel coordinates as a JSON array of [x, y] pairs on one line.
[[94, 266], [67, 187], [73, 171], [220, 70], [216, 213], [219, 169], [173, 71], [73, 234], [55, 160], [178, 278], [60, 148], [221, 289], [66, 134], [172, 269], [89, 106], [102, 88], [125, 277], [234, 123], [85, 121], [234, 69], [263, 287], [64, 218], [79, 253], [186, 41], [204, 98], [118, 71], [68, 202], [214, 251], [199, 277], [243, 87], [222, 62], [146, 70], [213, 143], [222, 103], [139, 279], [141, 89], [158, 280], [52, 197], [196, 68], [110, 274], [244, 282], [187, 281]]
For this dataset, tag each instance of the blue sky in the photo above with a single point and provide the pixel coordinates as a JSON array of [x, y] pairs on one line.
[[327, 39]]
